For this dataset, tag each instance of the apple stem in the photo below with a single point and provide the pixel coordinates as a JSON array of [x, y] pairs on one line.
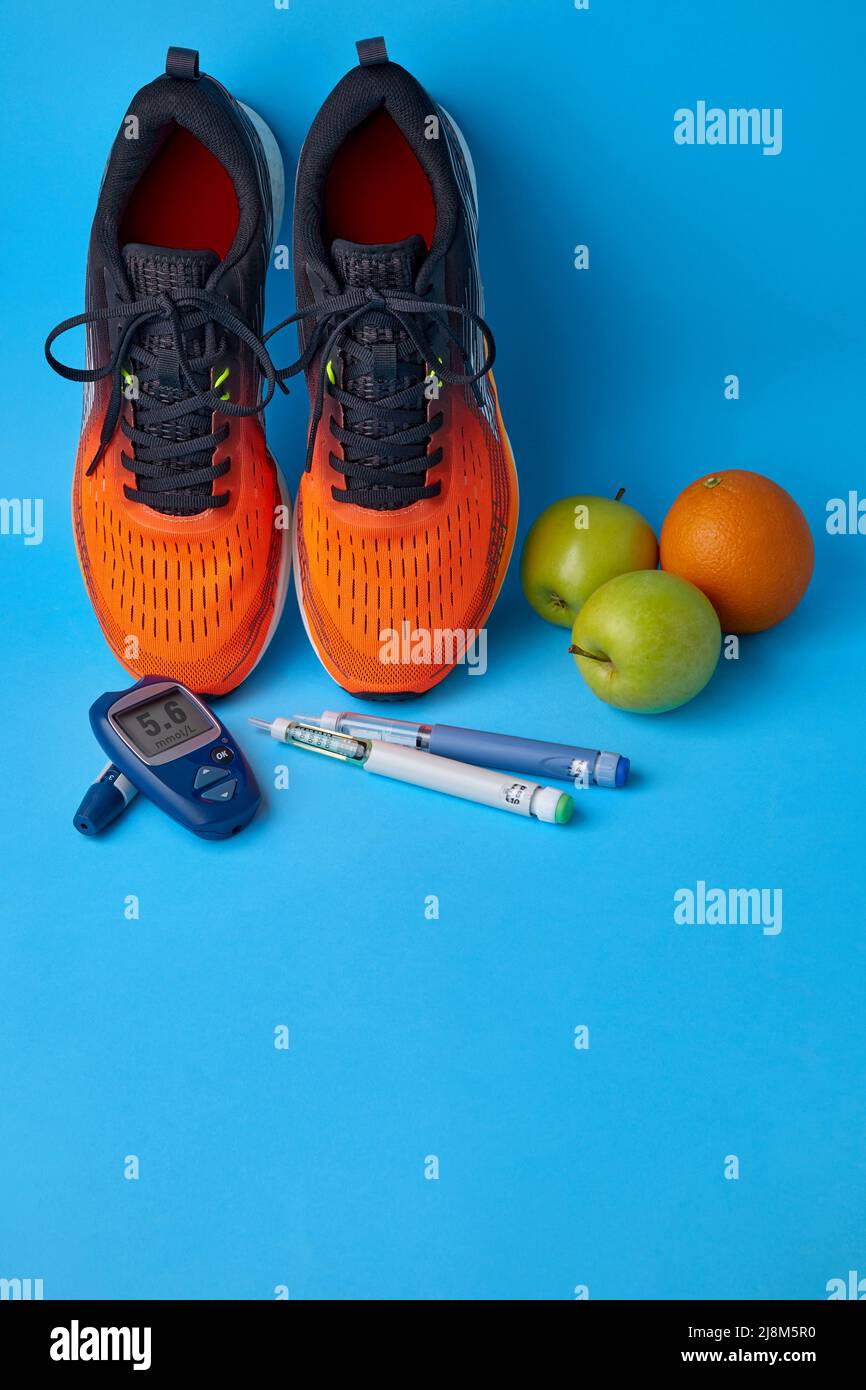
[[620, 494], [578, 651]]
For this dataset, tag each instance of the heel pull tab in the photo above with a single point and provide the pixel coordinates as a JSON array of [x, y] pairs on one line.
[[182, 63], [371, 51]]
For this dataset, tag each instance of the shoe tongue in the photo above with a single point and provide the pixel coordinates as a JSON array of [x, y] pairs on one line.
[[393, 266], [155, 269], [396, 363]]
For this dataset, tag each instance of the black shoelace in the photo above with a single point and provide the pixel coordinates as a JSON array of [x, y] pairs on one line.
[[385, 437], [172, 317]]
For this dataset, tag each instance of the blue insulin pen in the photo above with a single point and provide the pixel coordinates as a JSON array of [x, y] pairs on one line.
[[531, 756]]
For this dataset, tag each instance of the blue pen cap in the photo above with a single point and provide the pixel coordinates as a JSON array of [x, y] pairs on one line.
[[611, 770], [101, 805]]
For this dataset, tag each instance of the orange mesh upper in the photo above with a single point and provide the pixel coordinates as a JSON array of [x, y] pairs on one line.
[[193, 597], [436, 565]]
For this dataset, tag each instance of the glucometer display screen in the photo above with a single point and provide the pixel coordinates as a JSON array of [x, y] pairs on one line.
[[161, 724]]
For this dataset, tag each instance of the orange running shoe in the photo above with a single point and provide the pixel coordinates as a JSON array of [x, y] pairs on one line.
[[181, 517], [407, 510]]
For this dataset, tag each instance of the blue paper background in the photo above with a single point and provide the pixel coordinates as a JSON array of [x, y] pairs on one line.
[[559, 1167]]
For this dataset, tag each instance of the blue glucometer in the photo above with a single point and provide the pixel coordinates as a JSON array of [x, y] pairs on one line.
[[175, 751]]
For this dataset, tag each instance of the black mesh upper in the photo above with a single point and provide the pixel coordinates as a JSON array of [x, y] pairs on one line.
[[446, 271], [362, 91], [206, 110]]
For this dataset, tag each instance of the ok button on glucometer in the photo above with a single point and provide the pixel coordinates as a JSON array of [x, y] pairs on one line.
[[221, 755]]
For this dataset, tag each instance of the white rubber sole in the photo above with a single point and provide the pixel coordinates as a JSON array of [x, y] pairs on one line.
[[285, 565], [300, 598], [276, 168], [470, 164], [461, 140]]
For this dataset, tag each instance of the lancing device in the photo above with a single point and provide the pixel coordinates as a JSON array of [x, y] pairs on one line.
[[104, 800], [532, 756], [424, 769]]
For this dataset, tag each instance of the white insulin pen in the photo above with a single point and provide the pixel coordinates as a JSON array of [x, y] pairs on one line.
[[423, 769]]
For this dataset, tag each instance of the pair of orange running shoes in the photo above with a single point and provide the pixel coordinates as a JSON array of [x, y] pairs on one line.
[[407, 506]]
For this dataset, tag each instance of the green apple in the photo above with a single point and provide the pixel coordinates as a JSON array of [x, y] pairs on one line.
[[647, 641], [576, 545]]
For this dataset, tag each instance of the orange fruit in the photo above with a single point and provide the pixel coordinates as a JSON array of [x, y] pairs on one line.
[[743, 540]]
